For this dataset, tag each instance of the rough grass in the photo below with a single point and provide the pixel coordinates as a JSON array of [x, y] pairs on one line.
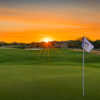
[[29, 75]]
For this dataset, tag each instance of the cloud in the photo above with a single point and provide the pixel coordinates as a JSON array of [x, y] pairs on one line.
[[50, 1], [20, 26]]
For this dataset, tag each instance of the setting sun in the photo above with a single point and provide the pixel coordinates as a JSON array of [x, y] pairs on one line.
[[47, 39]]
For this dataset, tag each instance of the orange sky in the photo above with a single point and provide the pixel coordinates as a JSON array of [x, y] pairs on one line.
[[64, 23]]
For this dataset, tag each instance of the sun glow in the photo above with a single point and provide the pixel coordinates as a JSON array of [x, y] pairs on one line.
[[47, 39]]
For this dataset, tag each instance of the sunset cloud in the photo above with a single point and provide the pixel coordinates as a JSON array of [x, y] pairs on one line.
[[60, 19]]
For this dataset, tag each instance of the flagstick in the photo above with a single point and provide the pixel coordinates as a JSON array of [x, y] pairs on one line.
[[83, 71]]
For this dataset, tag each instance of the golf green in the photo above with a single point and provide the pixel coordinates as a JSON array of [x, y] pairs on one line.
[[35, 75]]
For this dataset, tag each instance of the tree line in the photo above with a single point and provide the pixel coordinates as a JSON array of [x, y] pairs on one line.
[[57, 44]]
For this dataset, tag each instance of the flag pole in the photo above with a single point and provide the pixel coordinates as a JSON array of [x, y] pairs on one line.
[[87, 46], [83, 71]]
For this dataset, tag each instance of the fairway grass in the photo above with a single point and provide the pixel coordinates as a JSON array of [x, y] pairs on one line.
[[28, 75]]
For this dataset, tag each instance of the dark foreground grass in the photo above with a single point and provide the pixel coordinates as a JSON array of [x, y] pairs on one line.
[[28, 75]]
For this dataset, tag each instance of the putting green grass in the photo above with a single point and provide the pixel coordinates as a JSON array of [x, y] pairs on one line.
[[35, 75]]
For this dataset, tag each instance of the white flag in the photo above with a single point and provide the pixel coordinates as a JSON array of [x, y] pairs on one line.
[[86, 45]]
